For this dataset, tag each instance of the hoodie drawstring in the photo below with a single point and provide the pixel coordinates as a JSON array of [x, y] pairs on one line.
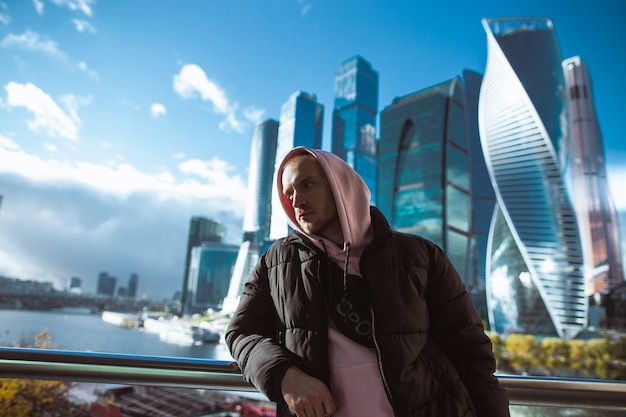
[[345, 268]]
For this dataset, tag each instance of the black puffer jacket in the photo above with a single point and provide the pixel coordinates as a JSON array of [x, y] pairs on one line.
[[434, 356]]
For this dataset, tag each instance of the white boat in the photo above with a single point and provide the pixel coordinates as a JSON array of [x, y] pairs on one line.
[[182, 336], [156, 324], [127, 320], [180, 331]]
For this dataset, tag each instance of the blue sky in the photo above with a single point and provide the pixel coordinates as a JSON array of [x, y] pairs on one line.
[[119, 120]]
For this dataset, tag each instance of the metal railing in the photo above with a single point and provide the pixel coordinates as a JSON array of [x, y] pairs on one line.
[[72, 366]]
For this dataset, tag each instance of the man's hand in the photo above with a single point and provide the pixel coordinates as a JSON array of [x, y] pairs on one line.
[[306, 396]]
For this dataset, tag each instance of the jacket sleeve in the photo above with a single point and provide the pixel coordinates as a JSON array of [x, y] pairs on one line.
[[458, 328], [253, 337]]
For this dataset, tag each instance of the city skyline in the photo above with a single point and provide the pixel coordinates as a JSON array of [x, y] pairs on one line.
[[118, 124]]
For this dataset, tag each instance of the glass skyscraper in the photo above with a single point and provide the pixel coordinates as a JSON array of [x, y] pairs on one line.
[[210, 270], [301, 123], [257, 218], [354, 118], [133, 282], [201, 230], [423, 175], [597, 217], [535, 278]]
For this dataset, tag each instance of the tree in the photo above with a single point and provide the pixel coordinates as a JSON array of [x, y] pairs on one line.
[[35, 398], [30, 398], [599, 357], [521, 351], [619, 359], [554, 354], [577, 356]]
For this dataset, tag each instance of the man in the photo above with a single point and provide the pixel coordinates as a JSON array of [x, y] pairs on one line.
[[345, 317]]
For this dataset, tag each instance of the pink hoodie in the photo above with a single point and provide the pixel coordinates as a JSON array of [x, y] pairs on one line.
[[356, 383]]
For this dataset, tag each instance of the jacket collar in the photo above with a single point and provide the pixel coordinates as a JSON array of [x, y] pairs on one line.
[[382, 230]]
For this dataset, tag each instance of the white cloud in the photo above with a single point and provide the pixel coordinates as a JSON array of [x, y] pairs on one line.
[[157, 109], [63, 219], [83, 6], [49, 117], [122, 180], [38, 6], [5, 19], [231, 123], [8, 143], [192, 82], [253, 114], [31, 41], [50, 147], [91, 73], [83, 25]]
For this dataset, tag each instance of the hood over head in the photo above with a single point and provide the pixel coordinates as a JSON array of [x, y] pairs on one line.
[[352, 197]]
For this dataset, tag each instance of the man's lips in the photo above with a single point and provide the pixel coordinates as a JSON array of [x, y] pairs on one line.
[[301, 216]]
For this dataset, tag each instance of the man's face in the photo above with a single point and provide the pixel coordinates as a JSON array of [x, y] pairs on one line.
[[306, 187]]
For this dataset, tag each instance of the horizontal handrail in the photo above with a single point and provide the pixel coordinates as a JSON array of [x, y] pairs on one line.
[[98, 367], [73, 366]]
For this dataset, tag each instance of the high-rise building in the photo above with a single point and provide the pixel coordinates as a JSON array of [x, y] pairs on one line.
[[595, 210], [256, 221], [535, 278], [301, 123], [106, 284], [133, 282], [210, 270], [74, 285], [354, 118], [201, 230], [423, 175]]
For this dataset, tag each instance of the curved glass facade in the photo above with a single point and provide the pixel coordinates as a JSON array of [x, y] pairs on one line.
[[534, 255], [423, 174]]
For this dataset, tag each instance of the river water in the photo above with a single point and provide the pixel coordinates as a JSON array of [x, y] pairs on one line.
[[82, 331], [79, 330]]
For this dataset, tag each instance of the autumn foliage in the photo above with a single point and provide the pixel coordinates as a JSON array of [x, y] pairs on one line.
[[36, 398], [603, 358]]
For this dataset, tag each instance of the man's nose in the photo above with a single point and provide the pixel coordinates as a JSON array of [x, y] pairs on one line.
[[298, 200]]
